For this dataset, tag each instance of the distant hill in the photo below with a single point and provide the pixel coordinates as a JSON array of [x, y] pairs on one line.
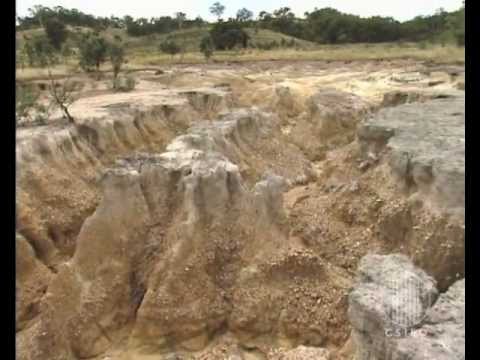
[[189, 38], [321, 26]]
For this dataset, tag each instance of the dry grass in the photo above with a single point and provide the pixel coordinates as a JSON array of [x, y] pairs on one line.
[[436, 53], [140, 57]]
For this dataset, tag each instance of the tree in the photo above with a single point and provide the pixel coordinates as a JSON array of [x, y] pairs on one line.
[[39, 51], [244, 15], [180, 17], [217, 9], [93, 51], [62, 95], [283, 12], [206, 47], [39, 13], [284, 21], [264, 19], [117, 57], [456, 25], [226, 35], [170, 47], [198, 21], [56, 32], [29, 51]]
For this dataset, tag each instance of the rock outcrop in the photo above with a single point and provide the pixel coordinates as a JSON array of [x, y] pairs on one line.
[[427, 148], [423, 146]]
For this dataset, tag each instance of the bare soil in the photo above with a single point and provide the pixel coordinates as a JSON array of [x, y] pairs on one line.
[[156, 227]]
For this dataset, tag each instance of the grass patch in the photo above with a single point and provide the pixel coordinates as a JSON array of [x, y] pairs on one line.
[[141, 57], [435, 53]]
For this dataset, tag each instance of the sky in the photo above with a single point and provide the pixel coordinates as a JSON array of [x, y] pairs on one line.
[[399, 9]]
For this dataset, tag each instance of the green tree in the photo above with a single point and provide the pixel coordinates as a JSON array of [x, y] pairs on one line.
[[56, 32], [206, 47], [39, 51], [93, 51], [226, 35], [217, 9], [117, 57], [28, 51], [244, 15], [180, 17], [456, 25]]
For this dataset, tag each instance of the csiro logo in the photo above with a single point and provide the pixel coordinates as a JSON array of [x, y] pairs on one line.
[[408, 301]]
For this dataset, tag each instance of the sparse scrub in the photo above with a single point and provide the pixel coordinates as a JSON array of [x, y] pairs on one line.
[[28, 107], [26, 98], [39, 51], [264, 36], [170, 47]]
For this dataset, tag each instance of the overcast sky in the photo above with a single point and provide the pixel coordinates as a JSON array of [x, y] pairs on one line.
[[399, 9]]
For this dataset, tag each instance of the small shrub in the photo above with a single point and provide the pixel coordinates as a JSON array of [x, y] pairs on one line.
[[25, 100], [27, 108], [170, 47], [206, 47]]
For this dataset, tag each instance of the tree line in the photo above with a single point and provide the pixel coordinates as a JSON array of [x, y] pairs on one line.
[[326, 26]]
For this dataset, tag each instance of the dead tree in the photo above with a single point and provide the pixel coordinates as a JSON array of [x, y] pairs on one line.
[[62, 95]]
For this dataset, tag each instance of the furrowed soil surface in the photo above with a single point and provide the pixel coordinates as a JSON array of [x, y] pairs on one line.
[[222, 211]]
